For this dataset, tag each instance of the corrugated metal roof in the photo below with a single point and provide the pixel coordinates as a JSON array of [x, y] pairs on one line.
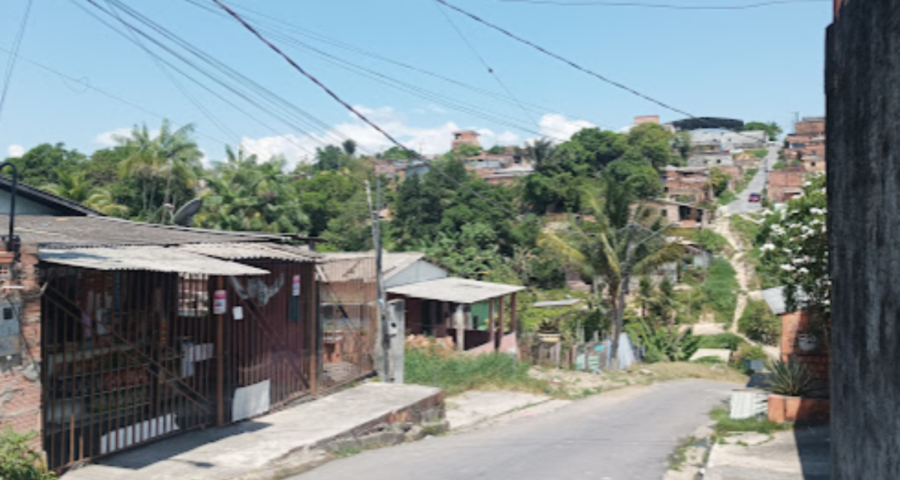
[[344, 266], [154, 259], [248, 251], [557, 303], [456, 290], [92, 231]]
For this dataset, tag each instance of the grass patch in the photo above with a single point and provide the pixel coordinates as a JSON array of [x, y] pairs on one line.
[[747, 230], [345, 452], [725, 425], [720, 289], [760, 153], [722, 340], [455, 373], [665, 371], [678, 458], [758, 323], [726, 197]]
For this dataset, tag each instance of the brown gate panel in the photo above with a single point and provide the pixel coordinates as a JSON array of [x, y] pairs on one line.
[[128, 359], [270, 337]]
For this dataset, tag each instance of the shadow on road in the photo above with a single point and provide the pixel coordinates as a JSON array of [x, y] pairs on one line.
[[814, 449]]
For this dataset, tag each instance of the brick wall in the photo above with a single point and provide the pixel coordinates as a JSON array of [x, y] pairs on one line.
[[20, 387], [792, 325]]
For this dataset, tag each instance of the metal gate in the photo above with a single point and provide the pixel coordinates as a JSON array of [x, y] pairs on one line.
[[127, 359], [270, 346]]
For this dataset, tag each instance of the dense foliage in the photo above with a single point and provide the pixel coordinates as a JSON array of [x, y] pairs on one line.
[[19, 460]]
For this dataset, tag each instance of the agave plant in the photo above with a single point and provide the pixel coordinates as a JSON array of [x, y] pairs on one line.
[[790, 378]]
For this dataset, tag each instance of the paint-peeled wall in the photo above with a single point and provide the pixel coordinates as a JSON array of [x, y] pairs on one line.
[[863, 90]]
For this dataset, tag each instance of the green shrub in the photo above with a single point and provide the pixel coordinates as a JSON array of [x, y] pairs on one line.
[[758, 323], [18, 461], [663, 343], [727, 197], [711, 241], [722, 340], [721, 288], [455, 373], [790, 378]]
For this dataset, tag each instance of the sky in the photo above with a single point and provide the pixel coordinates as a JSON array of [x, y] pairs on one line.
[[752, 64]]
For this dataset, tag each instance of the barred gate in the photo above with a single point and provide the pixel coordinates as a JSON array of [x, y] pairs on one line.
[[125, 360]]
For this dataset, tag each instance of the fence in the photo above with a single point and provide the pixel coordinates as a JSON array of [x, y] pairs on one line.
[[590, 356]]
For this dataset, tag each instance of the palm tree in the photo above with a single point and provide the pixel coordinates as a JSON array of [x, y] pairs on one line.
[[614, 254], [76, 187], [539, 151], [169, 155]]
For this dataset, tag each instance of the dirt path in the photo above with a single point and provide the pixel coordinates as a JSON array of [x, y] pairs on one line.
[[722, 226]]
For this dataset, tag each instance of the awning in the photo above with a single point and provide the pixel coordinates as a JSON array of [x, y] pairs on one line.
[[456, 290], [153, 259]]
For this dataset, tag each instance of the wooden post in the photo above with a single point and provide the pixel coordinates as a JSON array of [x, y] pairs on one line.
[[491, 323], [459, 323], [514, 323], [500, 319], [220, 360]]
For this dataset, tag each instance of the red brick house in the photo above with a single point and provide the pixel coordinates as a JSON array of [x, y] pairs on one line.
[[785, 184], [688, 184], [796, 343]]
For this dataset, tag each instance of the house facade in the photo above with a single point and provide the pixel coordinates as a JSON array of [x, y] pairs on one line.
[[785, 184], [688, 184]]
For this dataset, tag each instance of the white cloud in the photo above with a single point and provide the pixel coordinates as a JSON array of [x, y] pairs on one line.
[[427, 140], [108, 139], [15, 151], [559, 127]]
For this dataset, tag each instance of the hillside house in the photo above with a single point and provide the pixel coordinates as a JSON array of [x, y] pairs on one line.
[[785, 184], [688, 184], [683, 214]]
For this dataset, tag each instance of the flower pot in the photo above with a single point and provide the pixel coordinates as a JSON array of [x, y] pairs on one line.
[[792, 408], [776, 408], [807, 342], [549, 337]]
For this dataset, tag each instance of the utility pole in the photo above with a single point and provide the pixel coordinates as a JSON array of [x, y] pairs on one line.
[[380, 304]]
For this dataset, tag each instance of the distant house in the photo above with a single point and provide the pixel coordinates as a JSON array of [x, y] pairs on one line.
[[507, 176], [785, 184], [808, 138], [710, 140], [813, 163], [711, 159], [465, 137], [683, 214], [688, 184]]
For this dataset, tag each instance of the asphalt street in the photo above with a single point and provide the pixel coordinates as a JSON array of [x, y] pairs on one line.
[[756, 185], [620, 435]]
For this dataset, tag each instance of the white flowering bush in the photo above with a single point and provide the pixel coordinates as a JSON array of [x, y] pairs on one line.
[[796, 251]]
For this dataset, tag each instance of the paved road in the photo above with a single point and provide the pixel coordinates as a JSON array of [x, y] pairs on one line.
[[756, 185], [620, 435]]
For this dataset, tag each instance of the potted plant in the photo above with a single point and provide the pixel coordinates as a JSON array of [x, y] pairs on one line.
[[789, 382], [807, 342], [548, 331]]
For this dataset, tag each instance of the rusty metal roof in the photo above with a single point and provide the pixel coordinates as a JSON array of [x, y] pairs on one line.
[[92, 231], [250, 251], [146, 258]]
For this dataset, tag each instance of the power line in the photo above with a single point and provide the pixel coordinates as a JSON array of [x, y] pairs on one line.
[[484, 63], [346, 105], [571, 63], [11, 64], [184, 91], [667, 6]]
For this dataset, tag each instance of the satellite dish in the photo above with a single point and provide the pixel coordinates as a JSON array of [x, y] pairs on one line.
[[185, 215]]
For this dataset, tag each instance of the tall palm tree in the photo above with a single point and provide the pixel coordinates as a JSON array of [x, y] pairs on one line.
[[164, 157], [76, 187], [614, 255], [539, 151]]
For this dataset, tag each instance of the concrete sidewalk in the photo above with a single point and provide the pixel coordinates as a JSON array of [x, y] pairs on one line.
[[802, 454], [262, 447], [471, 409]]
